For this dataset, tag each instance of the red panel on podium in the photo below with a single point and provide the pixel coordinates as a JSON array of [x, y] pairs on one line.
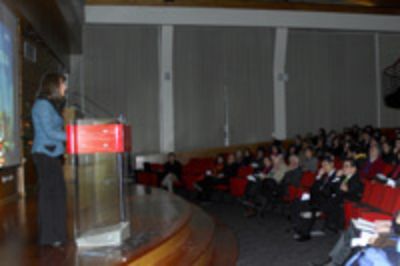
[[103, 138]]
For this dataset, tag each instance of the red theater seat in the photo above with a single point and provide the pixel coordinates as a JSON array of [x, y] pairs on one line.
[[245, 171], [148, 179], [238, 186]]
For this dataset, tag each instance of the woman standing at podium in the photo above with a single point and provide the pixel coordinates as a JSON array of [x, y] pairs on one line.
[[47, 151]]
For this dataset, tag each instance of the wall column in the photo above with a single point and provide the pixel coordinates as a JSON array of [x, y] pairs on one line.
[[167, 127], [378, 80], [279, 82]]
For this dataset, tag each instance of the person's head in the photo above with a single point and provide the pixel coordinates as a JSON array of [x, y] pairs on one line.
[[267, 162], [373, 142], [327, 164], [298, 140], [336, 142], [322, 132], [260, 153], [349, 167], [294, 161], [239, 155], [386, 148], [53, 86], [247, 152], [276, 160], [374, 152], [396, 223], [171, 157], [220, 159], [292, 150], [231, 159], [397, 144], [308, 153], [365, 137], [275, 149]]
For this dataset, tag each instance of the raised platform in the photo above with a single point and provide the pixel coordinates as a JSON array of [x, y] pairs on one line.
[[166, 230]]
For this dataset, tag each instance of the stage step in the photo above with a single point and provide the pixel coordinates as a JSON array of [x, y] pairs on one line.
[[166, 230], [197, 249], [226, 249]]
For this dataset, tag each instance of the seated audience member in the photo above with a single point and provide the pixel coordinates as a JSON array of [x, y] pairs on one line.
[[382, 249], [393, 178], [304, 210], [320, 148], [294, 173], [298, 143], [257, 163], [253, 192], [336, 149], [270, 184], [262, 171], [346, 185], [279, 168], [373, 165], [387, 153], [239, 157], [247, 157], [209, 182], [172, 172], [396, 148], [309, 163], [275, 149], [292, 151], [365, 140]]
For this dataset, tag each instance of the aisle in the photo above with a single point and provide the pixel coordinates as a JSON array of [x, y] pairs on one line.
[[268, 243]]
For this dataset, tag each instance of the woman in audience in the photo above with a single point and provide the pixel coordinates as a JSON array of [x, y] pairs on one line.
[[336, 149], [247, 157], [254, 188], [257, 163], [373, 165], [209, 182], [387, 153], [239, 157], [275, 150], [396, 148], [279, 168], [291, 151]]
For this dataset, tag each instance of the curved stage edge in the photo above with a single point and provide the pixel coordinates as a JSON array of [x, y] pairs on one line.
[[165, 230]]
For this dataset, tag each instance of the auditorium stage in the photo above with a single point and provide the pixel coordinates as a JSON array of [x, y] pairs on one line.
[[166, 230]]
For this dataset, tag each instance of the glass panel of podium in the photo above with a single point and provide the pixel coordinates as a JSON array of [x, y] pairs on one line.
[[98, 158]]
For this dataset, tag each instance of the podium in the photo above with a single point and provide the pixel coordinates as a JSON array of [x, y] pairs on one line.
[[99, 151]]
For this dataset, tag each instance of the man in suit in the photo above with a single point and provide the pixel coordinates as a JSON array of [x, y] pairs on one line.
[[306, 209], [346, 185]]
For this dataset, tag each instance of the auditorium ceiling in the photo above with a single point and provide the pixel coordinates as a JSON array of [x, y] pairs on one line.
[[346, 6]]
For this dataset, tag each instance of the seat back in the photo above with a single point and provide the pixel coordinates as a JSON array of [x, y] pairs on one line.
[[377, 195], [148, 179], [387, 169], [245, 171], [389, 196], [307, 180], [373, 194], [396, 204], [367, 192]]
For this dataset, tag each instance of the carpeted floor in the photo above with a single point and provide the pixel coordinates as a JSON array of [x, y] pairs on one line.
[[266, 241]]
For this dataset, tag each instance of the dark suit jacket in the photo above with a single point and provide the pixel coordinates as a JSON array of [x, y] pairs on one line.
[[354, 192], [322, 188]]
